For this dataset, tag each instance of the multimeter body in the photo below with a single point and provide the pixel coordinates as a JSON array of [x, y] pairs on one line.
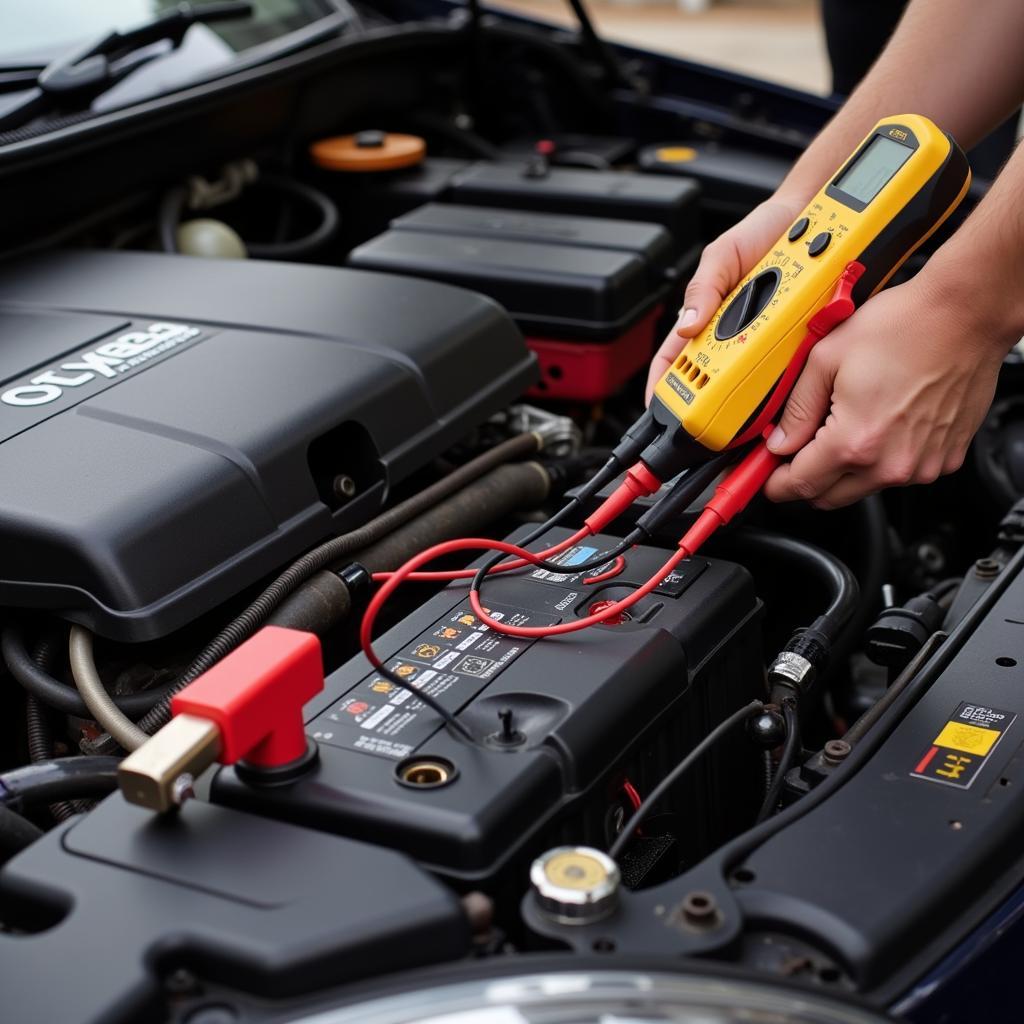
[[902, 182]]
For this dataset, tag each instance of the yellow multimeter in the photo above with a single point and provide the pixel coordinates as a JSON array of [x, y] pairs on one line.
[[898, 187]]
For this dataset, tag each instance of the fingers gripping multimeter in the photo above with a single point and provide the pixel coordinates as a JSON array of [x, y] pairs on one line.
[[902, 182]]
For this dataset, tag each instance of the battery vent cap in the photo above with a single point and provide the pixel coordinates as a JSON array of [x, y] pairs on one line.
[[575, 884]]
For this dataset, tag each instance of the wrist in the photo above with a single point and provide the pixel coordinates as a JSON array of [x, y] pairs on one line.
[[966, 291]]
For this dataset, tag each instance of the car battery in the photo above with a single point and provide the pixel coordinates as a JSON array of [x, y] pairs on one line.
[[567, 731], [588, 292]]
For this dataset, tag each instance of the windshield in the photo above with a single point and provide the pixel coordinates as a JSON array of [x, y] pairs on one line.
[[38, 29]]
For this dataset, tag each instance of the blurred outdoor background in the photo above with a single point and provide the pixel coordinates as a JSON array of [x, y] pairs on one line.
[[781, 40]]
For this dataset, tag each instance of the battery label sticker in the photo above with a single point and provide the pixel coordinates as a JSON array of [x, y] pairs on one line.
[[673, 584], [453, 660], [963, 745]]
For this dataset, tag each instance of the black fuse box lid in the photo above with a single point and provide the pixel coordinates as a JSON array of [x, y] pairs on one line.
[[618, 195], [651, 242], [549, 289]]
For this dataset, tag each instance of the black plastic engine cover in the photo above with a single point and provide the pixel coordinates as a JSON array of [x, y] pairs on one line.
[[122, 899], [594, 708], [170, 427]]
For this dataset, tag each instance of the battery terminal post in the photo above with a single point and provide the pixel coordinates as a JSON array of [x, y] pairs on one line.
[[246, 710]]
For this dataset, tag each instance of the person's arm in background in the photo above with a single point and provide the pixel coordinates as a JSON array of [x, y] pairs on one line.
[[956, 62]]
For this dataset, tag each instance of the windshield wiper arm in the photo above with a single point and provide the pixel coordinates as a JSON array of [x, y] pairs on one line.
[[77, 79]]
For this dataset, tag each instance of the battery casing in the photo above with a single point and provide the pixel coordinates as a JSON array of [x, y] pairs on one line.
[[596, 709]]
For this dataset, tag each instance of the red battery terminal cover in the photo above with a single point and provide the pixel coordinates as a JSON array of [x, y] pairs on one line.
[[255, 696]]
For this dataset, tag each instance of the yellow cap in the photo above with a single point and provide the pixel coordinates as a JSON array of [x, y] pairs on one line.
[[676, 154]]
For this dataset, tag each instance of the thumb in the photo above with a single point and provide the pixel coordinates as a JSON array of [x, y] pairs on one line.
[[808, 404], [716, 275]]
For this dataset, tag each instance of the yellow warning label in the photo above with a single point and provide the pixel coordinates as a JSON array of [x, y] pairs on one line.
[[968, 738]]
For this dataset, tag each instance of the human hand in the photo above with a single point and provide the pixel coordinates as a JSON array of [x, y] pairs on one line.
[[723, 264], [892, 396]]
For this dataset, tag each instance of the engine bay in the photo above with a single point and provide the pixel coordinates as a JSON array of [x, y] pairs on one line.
[[393, 290]]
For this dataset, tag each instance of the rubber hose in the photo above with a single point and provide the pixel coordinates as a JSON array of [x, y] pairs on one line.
[[94, 693], [56, 694], [252, 618], [324, 600], [834, 575], [319, 236], [505, 489], [875, 545], [172, 206], [63, 778], [317, 606], [16, 833]]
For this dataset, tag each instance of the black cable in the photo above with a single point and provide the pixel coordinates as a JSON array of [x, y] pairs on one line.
[[686, 489], [633, 442], [477, 145], [40, 739], [58, 695], [168, 217], [769, 772], [602, 51], [63, 778], [727, 725], [295, 248], [790, 751]]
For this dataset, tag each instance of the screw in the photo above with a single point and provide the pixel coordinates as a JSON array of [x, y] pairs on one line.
[[344, 487], [181, 788], [699, 908], [986, 568], [837, 751]]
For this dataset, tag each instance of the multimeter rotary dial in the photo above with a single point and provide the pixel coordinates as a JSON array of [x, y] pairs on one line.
[[747, 304]]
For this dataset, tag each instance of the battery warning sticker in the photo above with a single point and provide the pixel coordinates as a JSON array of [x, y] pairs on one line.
[[963, 745], [452, 661]]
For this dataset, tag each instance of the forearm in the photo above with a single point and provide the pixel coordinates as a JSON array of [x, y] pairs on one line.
[[980, 269], [954, 61]]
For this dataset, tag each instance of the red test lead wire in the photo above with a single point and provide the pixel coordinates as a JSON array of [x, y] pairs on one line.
[[732, 495], [639, 482]]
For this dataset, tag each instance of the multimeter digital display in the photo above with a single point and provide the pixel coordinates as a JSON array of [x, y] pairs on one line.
[[873, 169], [902, 182]]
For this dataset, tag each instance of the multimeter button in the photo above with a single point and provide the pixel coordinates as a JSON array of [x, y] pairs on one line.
[[798, 229], [748, 304], [819, 243]]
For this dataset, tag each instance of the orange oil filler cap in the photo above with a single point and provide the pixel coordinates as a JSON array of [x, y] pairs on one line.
[[368, 151]]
